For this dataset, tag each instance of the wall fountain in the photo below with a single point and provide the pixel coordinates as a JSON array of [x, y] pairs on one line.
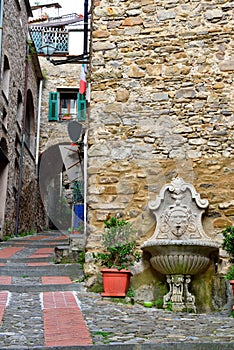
[[179, 247]]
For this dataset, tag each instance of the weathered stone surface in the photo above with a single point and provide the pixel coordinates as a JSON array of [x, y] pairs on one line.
[[165, 15], [160, 96], [185, 93], [173, 75], [101, 34], [136, 72], [213, 14], [19, 100], [122, 95], [227, 65], [221, 223], [132, 21]]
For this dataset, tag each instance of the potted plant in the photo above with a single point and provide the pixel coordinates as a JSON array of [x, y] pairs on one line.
[[230, 276], [119, 253], [228, 245]]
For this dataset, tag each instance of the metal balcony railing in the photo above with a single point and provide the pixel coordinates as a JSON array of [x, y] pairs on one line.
[[53, 35]]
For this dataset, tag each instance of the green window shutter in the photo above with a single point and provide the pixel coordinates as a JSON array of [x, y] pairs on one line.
[[81, 107], [53, 106]]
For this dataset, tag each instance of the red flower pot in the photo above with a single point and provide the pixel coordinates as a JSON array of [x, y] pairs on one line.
[[115, 282]]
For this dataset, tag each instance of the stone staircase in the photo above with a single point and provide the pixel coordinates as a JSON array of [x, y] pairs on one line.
[[29, 280], [35, 258]]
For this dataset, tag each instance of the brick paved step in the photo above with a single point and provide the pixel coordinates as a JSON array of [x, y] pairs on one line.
[[72, 270], [13, 288], [41, 244], [26, 260], [45, 237]]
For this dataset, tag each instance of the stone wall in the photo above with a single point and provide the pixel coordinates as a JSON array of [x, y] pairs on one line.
[[161, 106], [14, 45], [61, 76]]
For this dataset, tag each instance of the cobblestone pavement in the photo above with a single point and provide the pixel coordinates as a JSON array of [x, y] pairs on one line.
[[109, 324], [115, 323]]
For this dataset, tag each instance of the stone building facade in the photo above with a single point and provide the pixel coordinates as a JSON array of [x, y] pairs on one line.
[[161, 106], [61, 104], [20, 206]]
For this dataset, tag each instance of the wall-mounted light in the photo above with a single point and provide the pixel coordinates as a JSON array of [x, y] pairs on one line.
[[48, 49]]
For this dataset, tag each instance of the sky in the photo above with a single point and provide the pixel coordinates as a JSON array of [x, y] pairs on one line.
[[68, 6]]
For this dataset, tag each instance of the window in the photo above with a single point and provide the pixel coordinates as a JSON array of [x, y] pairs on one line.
[[19, 107], [3, 178], [30, 122], [4, 118], [67, 105], [6, 77]]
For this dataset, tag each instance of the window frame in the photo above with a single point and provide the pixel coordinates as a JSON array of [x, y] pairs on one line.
[[54, 106]]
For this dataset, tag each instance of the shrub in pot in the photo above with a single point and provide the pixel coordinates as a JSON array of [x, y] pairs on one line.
[[228, 245], [119, 254]]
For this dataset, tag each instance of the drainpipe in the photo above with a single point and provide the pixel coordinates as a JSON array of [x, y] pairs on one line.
[[85, 178], [1, 29], [38, 126], [22, 146], [86, 27]]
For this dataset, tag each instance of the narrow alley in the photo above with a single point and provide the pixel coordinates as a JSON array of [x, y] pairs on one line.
[[43, 305]]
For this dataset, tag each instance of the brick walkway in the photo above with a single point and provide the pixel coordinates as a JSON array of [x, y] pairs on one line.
[[61, 318], [63, 321], [9, 252]]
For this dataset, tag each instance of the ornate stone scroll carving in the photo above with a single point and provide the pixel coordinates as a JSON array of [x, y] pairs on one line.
[[178, 210]]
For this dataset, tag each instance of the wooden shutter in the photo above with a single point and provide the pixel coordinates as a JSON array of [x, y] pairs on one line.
[[81, 107], [53, 106]]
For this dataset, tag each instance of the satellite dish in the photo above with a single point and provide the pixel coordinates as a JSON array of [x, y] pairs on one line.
[[74, 130]]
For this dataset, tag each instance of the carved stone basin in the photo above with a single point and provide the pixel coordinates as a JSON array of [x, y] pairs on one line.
[[180, 257], [179, 246]]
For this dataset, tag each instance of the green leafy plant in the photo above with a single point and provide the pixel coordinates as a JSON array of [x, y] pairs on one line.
[[79, 228], [159, 303], [131, 292], [228, 241], [104, 335], [119, 245], [81, 259], [228, 245], [230, 273], [169, 306], [20, 234]]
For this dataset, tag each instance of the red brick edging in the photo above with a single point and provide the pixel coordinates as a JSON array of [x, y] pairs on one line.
[[63, 321], [4, 297]]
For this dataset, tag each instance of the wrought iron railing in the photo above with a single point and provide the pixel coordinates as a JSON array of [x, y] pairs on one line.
[[52, 35]]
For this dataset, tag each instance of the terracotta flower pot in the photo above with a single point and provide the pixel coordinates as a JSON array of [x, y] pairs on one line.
[[115, 282]]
